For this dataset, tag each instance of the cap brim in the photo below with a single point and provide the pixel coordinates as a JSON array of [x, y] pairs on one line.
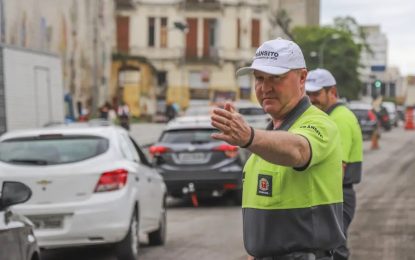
[[310, 87], [267, 69]]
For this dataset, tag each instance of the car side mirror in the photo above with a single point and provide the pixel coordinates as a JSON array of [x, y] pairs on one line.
[[14, 193]]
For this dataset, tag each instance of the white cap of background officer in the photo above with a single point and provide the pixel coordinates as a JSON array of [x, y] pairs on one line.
[[318, 79]]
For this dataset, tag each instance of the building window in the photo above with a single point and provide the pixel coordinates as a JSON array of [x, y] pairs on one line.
[[255, 33], [198, 87], [151, 31], [191, 38], [238, 33], [163, 33], [161, 84], [209, 38], [123, 36]]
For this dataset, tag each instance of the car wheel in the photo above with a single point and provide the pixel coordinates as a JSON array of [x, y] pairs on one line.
[[158, 237], [128, 248]]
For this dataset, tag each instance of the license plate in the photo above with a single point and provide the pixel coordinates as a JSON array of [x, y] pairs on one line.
[[192, 157], [47, 222]]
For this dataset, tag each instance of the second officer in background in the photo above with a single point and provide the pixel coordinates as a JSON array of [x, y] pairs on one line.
[[321, 88]]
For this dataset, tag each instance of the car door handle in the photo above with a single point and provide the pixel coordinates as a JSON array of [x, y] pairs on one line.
[[137, 179]]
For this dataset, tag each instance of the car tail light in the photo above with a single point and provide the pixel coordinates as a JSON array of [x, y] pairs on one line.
[[230, 151], [230, 186], [157, 150], [113, 180], [371, 115]]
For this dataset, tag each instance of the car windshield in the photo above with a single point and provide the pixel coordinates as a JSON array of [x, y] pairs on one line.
[[52, 150], [188, 136]]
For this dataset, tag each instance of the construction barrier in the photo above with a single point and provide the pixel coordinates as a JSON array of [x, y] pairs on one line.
[[409, 118]]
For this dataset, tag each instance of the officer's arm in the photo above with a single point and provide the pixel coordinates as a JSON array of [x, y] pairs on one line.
[[281, 147]]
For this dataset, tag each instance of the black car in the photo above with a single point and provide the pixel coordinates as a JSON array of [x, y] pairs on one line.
[[367, 117], [191, 161], [17, 240]]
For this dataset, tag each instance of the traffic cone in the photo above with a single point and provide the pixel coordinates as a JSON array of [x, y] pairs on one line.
[[195, 201], [409, 119], [375, 140]]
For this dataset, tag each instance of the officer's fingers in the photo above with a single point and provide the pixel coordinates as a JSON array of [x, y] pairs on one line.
[[220, 119], [222, 112], [229, 107], [220, 126], [222, 136]]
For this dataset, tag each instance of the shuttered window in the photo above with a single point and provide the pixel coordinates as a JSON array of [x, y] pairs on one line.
[[151, 31], [255, 33], [163, 32], [123, 36]]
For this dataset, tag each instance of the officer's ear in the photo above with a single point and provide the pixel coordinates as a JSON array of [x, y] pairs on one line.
[[332, 91]]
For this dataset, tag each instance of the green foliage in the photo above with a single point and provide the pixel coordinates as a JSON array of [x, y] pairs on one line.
[[341, 55]]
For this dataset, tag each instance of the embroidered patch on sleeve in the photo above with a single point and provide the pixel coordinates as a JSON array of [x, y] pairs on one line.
[[264, 187], [315, 129]]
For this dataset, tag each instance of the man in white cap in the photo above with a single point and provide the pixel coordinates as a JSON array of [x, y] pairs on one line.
[[292, 194], [321, 88]]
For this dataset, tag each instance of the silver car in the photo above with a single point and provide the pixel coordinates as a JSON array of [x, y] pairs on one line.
[[17, 240]]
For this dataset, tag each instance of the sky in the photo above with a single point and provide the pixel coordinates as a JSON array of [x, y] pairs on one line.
[[396, 20]]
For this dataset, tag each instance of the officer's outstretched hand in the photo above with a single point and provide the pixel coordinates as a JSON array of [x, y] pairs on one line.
[[233, 128]]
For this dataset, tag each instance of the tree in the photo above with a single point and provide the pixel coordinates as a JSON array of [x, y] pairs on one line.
[[350, 25], [281, 19], [341, 55]]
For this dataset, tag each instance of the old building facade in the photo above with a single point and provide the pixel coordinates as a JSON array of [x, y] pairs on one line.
[[81, 32], [197, 46]]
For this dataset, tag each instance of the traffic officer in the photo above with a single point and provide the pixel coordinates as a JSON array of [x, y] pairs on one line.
[[292, 194], [321, 88]]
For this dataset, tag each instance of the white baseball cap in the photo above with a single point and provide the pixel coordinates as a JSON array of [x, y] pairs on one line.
[[318, 79], [275, 57]]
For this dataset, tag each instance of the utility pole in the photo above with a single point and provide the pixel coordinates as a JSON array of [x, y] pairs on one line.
[[3, 23], [95, 90], [334, 36]]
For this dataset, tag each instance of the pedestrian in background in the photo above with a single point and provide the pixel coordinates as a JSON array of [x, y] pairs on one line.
[[124, 115], [321, 88], [292, 182], [171, 112], [104, 111]]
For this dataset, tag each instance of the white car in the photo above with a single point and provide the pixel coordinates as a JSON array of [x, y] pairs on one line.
[[91, 185]]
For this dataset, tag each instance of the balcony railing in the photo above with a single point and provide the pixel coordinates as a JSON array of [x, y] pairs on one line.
[[210, 56], [209, 5]]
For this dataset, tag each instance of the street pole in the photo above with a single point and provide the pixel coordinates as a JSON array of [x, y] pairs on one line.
[[3, 23], [182, 26], [95, 98]]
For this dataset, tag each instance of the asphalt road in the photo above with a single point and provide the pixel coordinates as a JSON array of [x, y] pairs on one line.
[[384, 225]]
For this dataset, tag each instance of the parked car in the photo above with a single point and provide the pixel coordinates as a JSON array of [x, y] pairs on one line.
[[17, 240], [392, 112], [190, 160], [91, 184], [401, 113], [366, 116]]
